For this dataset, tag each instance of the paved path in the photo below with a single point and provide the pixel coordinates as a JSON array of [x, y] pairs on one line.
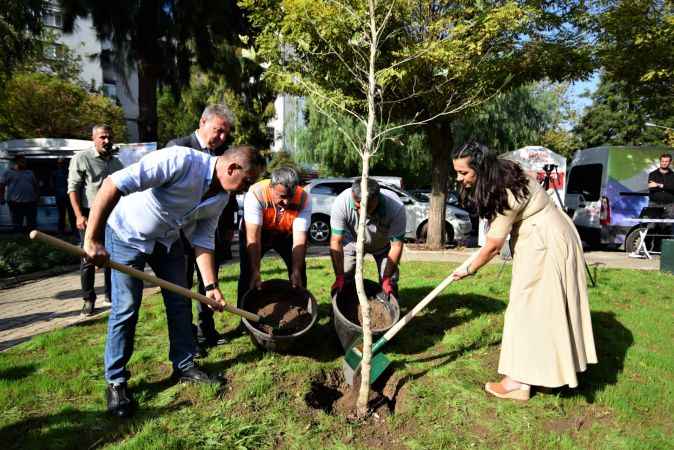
[[39, 306]]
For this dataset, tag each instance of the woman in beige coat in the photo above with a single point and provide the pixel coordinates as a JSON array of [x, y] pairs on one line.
[[547, 334]]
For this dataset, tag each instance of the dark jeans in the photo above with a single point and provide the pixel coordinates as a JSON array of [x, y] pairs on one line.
[[282, 244], [64, 208], [88, 274], [205, 322], [20, 211], [667, 213], [126, 299]]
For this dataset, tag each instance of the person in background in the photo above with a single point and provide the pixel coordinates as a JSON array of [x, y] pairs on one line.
[[214, 125], [547, 334], [23, 192], [661, 187], [661, 184], [88, 168]]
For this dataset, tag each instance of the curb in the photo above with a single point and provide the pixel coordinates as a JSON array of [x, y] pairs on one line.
[[12, 282]]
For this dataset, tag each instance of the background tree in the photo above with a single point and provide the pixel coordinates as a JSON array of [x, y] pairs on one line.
[[438, 58], [247, 95], [20, 22], [322, 143], [283, 159], [162, 38], [533, 114], [617, 117], [634, 47], [538, 113], [41, 105]]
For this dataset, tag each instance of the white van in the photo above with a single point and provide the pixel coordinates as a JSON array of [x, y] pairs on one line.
[[605, 187]]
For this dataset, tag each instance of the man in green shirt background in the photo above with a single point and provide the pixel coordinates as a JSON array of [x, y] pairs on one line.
[[86, 173]]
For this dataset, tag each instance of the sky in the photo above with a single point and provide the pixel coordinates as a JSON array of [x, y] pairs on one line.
[[579, 88]]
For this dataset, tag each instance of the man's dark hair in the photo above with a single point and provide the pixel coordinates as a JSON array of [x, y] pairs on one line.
[[666, 155], [494, 177], [285, 176], [372, 188]]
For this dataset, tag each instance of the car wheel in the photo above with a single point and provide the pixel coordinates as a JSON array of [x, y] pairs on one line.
[[633, 239], [319, 230], [423, 233]]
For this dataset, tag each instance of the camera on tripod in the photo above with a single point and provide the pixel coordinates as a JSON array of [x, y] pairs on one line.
[[549, 168]]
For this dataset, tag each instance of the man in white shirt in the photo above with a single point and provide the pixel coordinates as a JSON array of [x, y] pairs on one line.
[[276, 215], [165, 192]]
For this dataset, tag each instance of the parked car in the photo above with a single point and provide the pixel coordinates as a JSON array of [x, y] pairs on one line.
[[424, 195], [390, 180], [324, 191], [453, 199]]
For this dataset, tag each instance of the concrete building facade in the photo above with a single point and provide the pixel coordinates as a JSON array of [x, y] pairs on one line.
[[99, 72]]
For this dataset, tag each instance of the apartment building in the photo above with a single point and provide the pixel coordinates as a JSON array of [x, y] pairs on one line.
[[99, 71]]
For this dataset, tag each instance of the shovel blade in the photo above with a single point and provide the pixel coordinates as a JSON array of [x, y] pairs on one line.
[[379, 364]]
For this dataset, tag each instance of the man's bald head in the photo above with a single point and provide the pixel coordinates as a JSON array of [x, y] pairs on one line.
[[239, 167]]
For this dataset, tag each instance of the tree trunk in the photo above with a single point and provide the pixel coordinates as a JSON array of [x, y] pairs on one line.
[[440, 138], [365, 365], [148, 76]]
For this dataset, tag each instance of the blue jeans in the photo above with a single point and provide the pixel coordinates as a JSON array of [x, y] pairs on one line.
[[126, 297]]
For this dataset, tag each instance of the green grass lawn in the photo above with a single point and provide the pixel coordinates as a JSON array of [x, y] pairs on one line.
[[52, 387]]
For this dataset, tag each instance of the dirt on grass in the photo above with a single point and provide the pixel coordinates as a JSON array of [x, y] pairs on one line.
[[583, 420], [332, 395]]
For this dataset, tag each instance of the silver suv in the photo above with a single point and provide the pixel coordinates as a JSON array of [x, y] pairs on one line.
[[324, 190]]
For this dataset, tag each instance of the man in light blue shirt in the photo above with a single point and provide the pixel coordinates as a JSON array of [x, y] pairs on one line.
[[146, 205]]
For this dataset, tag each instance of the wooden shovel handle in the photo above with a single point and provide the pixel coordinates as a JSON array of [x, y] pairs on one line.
[[422, 304], [75, 250]]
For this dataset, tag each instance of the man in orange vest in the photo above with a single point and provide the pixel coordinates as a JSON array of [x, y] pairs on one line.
[[276, 215]]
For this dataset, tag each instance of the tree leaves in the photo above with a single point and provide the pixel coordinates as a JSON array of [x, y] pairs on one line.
[[42, 105]]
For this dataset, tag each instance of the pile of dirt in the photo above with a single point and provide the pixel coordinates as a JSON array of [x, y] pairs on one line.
[[331, 394], [346, 405], [380, 315], [290, 318], [287, 308]]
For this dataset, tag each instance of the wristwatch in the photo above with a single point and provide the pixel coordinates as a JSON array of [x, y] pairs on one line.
[[210, 287]]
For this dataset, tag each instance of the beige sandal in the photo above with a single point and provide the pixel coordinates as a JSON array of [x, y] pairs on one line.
[[497, 390]]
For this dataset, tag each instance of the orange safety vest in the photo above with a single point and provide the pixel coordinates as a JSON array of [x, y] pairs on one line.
[[271, 219]]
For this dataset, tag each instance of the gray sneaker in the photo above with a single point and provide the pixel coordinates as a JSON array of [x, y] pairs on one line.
[[88, 308]]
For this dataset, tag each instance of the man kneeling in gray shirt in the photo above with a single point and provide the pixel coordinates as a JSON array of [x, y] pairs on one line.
[[384, 233]]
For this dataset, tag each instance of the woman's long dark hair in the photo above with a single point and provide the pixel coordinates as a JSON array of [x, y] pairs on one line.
[[494, 176]]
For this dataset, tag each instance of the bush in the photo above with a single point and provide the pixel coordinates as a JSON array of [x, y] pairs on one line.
[[19, 256], [41, 105]]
